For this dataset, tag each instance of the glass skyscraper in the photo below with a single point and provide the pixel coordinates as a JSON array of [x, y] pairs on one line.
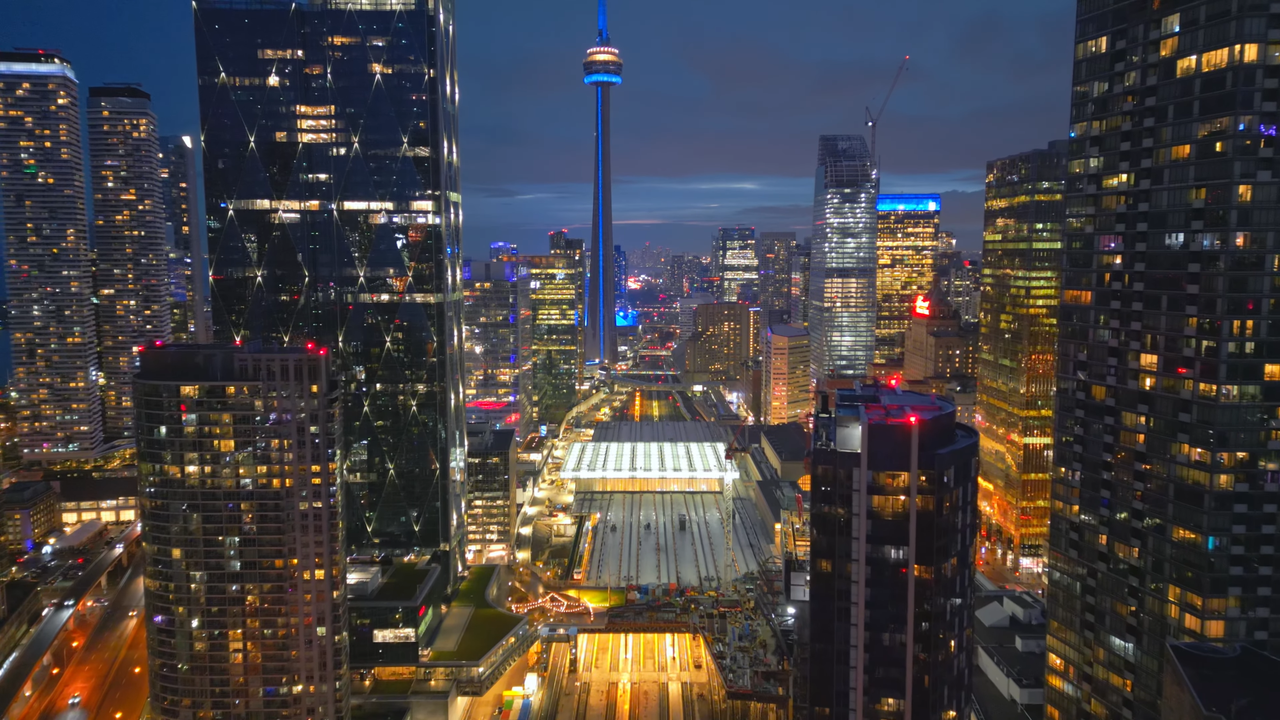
[[906, 247], [842, 285], [1021, 256], [774, 251], [331, 181], [1167, 450], [736, 264], [188, 259]]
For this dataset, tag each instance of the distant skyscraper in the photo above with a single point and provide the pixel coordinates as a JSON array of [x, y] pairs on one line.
[[685, 273], [894, 519], [786, 375], [1165, 459], [334, 218], [131, 277], [1021, 256], [501, 250], [491, 493], [188, 260], [800, 264], [906, 247], [736, 265], [245, 601], [720, 342], [48, 266], [620, 276], [842, 289], [551, 336], [603, 70], [961, 281], [492, 340], [773, 258]]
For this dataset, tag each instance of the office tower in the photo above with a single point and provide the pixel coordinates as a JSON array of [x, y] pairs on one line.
[[551, 337], [720, 343], [961, 282], [773, 257], [786, 375], [939, 346], [184, 220], [894, 498], [620, 276], [687, 308], [242, 520], [946, 253], [48, 266], [1021, 256], [334, 217], [131, 276], [842, 286], [603, 70], [906, 248], [491, 494], [800, 284], [503, 251], [1164, 474], [491, 338], [687, 273], [735, 263]]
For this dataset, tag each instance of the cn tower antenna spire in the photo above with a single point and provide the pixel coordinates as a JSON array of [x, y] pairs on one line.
[[602, 34]]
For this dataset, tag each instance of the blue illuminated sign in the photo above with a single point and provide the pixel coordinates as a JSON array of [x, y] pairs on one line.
[[606, 78], [626, 318], [909, 203]]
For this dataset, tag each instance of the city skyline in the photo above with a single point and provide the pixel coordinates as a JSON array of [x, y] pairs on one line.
[[517, 189]]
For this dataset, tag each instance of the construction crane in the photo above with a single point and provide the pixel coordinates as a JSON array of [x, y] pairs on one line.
[[874, 120]]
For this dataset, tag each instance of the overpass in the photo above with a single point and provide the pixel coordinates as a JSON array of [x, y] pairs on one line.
[[27, 670]]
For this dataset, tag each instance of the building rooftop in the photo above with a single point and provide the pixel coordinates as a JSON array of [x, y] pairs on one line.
[[790, 331], [1237, 682], [473, 625], [789, 441], [889, 404], [484, 439], [404, 583], [26, 491], [87, 486], [659, 432]]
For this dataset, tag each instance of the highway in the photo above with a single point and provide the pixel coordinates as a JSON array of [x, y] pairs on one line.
[[109, 674], [29, 657]]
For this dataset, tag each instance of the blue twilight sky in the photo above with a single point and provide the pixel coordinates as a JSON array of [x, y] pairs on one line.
[[716, 122]]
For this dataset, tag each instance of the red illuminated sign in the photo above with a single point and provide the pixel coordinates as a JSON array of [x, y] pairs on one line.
[[922, 306]]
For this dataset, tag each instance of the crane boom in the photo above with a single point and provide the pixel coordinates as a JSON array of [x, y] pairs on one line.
[[874, 120]]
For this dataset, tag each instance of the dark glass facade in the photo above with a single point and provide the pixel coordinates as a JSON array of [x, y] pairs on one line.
[[331, 183], [894, 513], [1021, 259], [773, 255], [1167, 458]]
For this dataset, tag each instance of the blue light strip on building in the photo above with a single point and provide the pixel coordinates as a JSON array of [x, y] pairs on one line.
[[909, 203], [602, 78]]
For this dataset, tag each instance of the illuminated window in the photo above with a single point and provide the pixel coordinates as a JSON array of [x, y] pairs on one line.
[[1091, 47], [1247, 53], [1271, 372], [1170, 24], [1168, 46], [1179, 152], [1149, 361], [1187, 66], [1215, 59], [1244, 193], [270, 54]]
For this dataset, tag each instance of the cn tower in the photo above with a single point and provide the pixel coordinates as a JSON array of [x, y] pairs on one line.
[[603, 69]]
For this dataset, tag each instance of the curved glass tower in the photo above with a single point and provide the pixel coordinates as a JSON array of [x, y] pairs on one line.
[[603, 70]]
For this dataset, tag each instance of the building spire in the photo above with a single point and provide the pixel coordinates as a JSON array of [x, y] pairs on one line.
[[602, 33]]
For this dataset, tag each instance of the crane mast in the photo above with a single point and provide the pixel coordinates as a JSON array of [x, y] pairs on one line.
[[874, 120]]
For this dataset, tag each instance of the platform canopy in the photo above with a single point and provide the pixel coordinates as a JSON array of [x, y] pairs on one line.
[[649, 467]]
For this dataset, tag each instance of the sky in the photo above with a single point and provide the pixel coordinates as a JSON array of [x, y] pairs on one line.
[[718, 117]]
